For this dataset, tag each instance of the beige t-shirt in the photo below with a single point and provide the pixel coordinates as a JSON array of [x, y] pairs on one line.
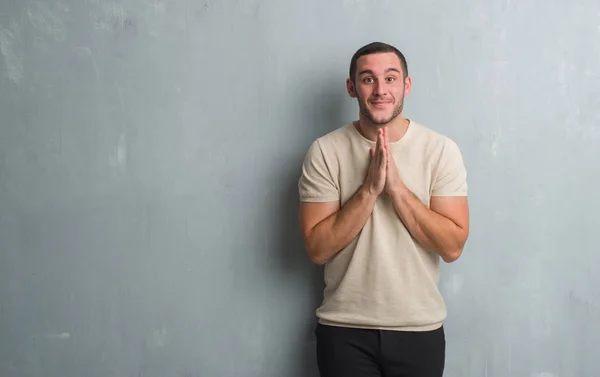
[[383, 279]]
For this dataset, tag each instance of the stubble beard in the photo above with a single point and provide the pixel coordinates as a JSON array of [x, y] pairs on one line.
[[365, 111]]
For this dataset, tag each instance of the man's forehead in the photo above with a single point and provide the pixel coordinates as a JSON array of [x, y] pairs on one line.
[[379, 61]]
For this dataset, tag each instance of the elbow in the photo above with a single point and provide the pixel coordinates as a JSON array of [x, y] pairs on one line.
[[320, 250], [452, 255], [314, 249], [315, 256], [454, 252], [314, 253]]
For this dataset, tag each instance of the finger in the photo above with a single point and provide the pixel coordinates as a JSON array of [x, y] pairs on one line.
[[383, 157], [387, 145], [386, 137], [385, 142], [383, 150], [390, 160]]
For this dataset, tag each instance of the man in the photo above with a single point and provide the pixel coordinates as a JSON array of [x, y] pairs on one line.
[[383, 199]]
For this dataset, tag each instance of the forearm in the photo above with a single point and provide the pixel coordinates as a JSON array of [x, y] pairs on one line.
[[432, 230], [335, 232]]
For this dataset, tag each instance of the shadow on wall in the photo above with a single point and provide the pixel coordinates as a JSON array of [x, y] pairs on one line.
[[320, 110]]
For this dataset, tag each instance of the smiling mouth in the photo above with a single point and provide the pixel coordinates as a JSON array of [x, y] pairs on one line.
[[380, 103]]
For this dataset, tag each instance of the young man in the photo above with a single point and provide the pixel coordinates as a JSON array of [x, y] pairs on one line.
[[383, 199]]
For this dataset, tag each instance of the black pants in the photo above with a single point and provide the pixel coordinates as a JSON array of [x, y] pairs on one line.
[[347, 352]]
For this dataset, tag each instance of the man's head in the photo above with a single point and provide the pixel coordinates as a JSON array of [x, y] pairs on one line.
[[379, 80]]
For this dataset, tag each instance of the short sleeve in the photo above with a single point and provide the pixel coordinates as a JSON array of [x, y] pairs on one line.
[[451, 176], [316, 183]]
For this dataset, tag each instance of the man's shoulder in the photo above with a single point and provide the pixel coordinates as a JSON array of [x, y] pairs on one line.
[[429, 133], [341, 134], [439, 149], [432, 138], [337, 139]]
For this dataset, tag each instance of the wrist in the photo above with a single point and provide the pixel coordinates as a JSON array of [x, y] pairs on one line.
[[368, 193]]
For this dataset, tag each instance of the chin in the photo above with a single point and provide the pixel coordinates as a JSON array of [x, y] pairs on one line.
[[381, 119]]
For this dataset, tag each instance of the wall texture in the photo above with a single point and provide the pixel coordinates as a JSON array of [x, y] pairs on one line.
[[149, 153]]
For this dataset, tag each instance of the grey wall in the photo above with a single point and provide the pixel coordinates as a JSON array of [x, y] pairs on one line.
[[149, 153]]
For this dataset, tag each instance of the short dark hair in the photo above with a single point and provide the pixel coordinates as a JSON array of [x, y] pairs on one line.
[[374, 48]]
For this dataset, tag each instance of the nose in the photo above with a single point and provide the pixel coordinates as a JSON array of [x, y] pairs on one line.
[[380, 88]]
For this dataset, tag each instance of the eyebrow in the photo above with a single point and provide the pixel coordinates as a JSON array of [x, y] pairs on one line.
[[371, 72]]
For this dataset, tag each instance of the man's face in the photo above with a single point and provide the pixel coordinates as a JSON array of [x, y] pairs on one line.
[[380, 87]]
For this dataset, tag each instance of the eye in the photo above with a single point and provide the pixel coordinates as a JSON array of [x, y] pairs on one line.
[[391, 79], [368, 80]]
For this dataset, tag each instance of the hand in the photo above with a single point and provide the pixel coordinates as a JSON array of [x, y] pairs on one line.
[[376, 175], [393, 182]]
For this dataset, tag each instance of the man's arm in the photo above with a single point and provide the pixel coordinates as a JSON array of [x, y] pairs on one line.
[[327, 228], [443, 229]]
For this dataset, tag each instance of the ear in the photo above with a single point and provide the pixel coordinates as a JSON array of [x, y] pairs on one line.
[[407, 85], [350, 88]]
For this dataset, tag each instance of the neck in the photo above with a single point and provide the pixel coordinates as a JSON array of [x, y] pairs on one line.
[[396, 128]]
